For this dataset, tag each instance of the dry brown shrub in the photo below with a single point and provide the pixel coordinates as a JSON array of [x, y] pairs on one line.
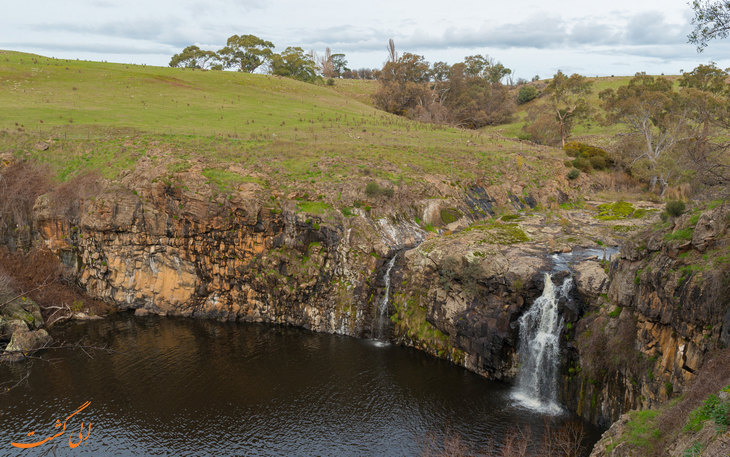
[[67, 196], [20, 185], [617, 181], [37, 267]]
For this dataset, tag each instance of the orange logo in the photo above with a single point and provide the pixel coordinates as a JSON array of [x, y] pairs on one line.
[[71, 444]]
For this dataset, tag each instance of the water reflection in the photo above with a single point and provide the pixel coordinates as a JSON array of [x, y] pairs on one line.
[[190, 387]]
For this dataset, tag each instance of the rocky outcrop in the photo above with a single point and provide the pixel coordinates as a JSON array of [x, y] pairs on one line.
[[459, 297], [665, 308], [20, 329]]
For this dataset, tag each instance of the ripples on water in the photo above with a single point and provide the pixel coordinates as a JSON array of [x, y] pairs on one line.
[[188, 387]]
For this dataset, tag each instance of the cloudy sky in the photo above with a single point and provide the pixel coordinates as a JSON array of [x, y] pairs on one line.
[[530, 36]]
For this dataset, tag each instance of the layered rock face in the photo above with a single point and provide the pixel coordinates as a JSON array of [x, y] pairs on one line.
[[635, 335], [665, 306], [251, 259]]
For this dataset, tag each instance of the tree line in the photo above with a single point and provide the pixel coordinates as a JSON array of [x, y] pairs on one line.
[[468, 94], [670, 129], [249, 53]]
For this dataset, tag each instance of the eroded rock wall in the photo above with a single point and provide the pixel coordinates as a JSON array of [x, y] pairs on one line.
[[645, 336]]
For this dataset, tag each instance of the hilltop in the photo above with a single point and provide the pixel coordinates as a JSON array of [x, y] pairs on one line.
[[240, 127]]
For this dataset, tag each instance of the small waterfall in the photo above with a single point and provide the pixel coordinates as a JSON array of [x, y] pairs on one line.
[[381, 315], [540, 329]]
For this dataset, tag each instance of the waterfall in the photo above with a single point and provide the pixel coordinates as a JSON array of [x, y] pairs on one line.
[[381, 315], [539, 350]]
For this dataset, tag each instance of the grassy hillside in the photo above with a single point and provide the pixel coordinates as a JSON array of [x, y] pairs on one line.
[[240, 127], [593, 131]]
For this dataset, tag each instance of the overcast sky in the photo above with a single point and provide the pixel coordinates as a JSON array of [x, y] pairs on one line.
[[532, 37]]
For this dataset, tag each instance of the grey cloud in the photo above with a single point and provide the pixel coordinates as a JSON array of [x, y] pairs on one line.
[[543, 32], [652, 28], [99, 48]]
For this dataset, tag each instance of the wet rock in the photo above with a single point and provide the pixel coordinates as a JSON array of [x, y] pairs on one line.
[[25, 341]]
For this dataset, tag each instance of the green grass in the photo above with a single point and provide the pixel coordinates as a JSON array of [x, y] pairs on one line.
[[496, 233], [681, 234], [315, 208], [241, 127], [642, 429], [593, 132], [714, 409], [618, 210]]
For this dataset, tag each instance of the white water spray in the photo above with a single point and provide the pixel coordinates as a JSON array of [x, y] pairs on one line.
[[539, 353], [382, 311]]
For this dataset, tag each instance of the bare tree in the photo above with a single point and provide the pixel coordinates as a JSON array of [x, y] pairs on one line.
[[392, 55]]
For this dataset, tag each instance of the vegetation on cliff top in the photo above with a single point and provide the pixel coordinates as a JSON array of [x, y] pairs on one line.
[[79, 116]]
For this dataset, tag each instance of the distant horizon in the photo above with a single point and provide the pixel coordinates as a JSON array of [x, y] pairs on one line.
[[530, 37], [545, 77]]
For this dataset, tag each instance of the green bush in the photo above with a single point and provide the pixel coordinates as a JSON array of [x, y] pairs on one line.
[[330, 82], [675, 208], [526, 94], [374, 190], [598, 162], [582, 164], [574, 173], [587, 156], [715, 409]]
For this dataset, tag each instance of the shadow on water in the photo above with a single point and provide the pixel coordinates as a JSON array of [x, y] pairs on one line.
[[177, 386]]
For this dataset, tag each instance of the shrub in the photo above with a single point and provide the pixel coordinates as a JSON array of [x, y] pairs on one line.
[[573, 174], [675, 208], [526, 94], [582, 164], [598, 162], [713, 408], [330, 82], [587, 156], [374, 190]]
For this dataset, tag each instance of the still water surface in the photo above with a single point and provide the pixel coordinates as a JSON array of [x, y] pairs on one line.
[[187, 387]]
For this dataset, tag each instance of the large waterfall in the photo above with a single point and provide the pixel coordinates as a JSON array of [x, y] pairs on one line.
[[539, 350], [381, 314]]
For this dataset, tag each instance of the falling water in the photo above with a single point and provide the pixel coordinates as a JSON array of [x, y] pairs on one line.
[[540, 329], [382, 311]]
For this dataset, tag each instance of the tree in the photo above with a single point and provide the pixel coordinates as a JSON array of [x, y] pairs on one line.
[[486, 67], [193, 57], [403, 84], [656, 117], [294, 63], [392, 55], [711, 20], [567, 98], [339, 64], [332, 65], [440, 71], [245, 52], [706, 95], [474, 101]]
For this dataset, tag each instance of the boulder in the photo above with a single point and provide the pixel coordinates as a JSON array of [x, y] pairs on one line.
[[9, 326], [24, 341], [23, 309], [591, 279]]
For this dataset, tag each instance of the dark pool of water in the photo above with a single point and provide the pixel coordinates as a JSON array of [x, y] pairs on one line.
[[182, 387]]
